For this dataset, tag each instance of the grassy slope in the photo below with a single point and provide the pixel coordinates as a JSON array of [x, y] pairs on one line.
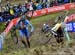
[[38, 49]]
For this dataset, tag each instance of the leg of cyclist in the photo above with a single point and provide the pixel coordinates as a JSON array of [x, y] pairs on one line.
[[27, 34], [28, 42], [24, 42], [23, 39]]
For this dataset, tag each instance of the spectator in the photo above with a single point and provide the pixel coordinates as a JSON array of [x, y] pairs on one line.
[[47, 4], [23, 9], [16, 10], [8, 4], [27, 5], [48, 0], [72, 0], [44, 1], [51, 4], [66, 1], [29, 0], [30, 6], [60, 1], [39, 6], [34, 6], [55, 3], [37, 1], [0, 3], [11, 10]]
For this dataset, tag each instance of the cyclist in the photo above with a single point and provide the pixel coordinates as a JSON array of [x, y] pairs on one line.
[[24, 31], [58, 29]]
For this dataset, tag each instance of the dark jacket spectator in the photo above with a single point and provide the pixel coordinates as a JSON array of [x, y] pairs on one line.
[[29, 0], [60, 1], [34, 6], [72, 0], [37, 1], [51, 4]]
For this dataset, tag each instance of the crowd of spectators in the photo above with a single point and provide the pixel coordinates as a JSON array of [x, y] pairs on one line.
[[18, 9], [40, 4]]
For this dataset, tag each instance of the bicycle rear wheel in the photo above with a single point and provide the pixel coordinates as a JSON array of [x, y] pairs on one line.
[[45, 38]]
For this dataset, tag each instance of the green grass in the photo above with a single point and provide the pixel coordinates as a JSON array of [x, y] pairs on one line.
[[44, 18], [38, 20]]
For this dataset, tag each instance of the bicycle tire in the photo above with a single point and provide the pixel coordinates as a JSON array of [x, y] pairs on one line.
[[45, 39]]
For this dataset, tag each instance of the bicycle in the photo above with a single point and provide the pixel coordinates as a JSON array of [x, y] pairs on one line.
[[56, 34]]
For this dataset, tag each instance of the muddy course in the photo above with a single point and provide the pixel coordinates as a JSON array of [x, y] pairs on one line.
[[38, 39]]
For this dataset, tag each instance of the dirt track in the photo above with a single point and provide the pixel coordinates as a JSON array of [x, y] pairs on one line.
[[35, 40], [37, 43]]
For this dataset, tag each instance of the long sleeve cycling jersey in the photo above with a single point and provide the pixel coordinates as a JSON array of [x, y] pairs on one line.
[[23, 24]]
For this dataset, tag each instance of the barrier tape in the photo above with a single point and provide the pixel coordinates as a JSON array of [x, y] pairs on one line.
[[52, 9], [7, 30]]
